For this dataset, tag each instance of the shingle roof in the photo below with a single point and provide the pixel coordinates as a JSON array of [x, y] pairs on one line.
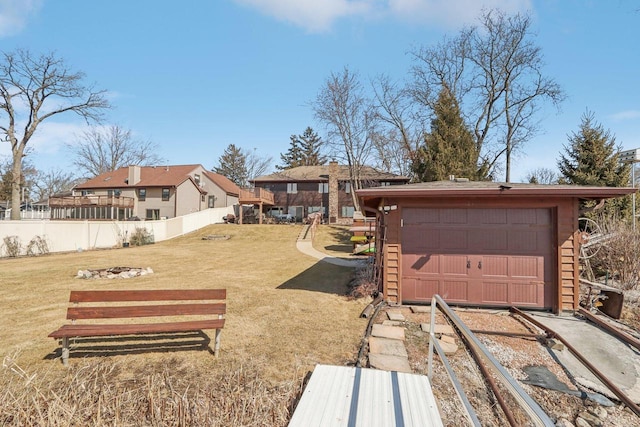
[[150, 176], [321, 173], [489, 188], [224, 183]]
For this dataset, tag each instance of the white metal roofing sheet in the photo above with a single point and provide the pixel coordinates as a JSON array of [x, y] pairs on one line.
[[338, 396]]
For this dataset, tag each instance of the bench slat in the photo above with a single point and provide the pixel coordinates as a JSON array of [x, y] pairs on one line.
[[134, 329], [144, 311], [153, 295]]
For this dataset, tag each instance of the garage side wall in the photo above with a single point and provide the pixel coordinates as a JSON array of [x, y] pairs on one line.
[[569, 271]]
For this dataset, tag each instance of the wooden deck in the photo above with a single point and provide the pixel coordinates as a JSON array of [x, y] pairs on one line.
[[339, 396]]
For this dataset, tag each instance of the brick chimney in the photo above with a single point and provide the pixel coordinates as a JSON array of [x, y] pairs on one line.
[[333, 192], [134, 175]]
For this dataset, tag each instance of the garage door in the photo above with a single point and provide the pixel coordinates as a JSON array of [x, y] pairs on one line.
[[489, 257]]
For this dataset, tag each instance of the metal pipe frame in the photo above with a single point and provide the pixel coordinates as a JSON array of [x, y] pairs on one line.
[[533, 410], [469, 411]]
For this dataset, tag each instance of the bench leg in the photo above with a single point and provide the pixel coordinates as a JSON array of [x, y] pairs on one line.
[[65, 351], [216, 348]]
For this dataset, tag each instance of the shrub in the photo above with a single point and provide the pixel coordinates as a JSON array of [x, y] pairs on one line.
[[37, 246], [619, 254], [141, 237], [12, 246]]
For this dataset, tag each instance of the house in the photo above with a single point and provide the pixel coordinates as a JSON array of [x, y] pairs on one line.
[[146, 192], [480, 243], [303, 190]]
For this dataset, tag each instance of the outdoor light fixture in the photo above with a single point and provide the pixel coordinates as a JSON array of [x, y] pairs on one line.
[[385, 209]]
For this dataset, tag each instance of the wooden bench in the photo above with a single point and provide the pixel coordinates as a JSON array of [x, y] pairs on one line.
[[207, 306]]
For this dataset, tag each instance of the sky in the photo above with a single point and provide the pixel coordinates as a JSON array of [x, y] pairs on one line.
[[194, 76]]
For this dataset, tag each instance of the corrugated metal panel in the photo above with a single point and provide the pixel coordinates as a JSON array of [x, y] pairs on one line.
[[357, 397]]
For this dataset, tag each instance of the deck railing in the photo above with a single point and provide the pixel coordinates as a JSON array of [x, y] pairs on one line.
[[256, 195], [84, 201]]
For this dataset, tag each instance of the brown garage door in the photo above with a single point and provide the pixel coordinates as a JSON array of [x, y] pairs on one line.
[[491, 257]]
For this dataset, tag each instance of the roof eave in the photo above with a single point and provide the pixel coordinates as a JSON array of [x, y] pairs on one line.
[[579, 192]]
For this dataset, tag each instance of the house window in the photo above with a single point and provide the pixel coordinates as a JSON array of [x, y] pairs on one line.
[[347, 211], [153, 214], [117, 192], [347, 187], [292, 187], [323, 187], [142, 194], [196, 178], [165, 194], [212, 201], [87, 192], [314, 209], [385, 183], [202, 198]]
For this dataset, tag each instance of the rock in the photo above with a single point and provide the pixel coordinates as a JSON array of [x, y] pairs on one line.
[[421, 308], [580, 422], [563, 422], [554, 344], [599, 412], [591, 419]]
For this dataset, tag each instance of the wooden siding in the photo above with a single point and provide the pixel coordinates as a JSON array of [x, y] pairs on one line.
[[392, 273], [569, 267]]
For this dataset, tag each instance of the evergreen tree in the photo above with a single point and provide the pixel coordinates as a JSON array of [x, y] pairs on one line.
[[233, 164], [592, 158], [449, 149], [304, 150]]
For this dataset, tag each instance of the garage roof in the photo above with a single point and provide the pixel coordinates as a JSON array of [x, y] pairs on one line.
[[458, 188]]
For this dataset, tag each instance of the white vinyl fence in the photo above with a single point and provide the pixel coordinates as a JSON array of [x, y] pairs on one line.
[[65, 236]]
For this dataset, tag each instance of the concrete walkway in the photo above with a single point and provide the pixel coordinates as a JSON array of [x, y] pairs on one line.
[[305, 245]]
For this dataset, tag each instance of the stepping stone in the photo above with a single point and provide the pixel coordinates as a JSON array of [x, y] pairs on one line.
[[447, 338], [391, 323], [439, 329], [383, 331], [389, 363], [421, 309], [386, 346], [395, 315], [447, 347]]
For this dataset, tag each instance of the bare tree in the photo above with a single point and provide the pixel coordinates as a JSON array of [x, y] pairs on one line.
[[542, 176], [256, 164], [402, 126], [52, 182], [496, 71], [99, 150], [47, 87], [241, 165], [350, 119]]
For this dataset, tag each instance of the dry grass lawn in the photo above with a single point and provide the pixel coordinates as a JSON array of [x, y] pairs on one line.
[[286, 312]]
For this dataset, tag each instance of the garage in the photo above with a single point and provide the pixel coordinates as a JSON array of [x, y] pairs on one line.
[[483, 244], [491, 257]]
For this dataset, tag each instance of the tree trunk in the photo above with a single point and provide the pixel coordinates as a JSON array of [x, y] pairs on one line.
[[15, 184]]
